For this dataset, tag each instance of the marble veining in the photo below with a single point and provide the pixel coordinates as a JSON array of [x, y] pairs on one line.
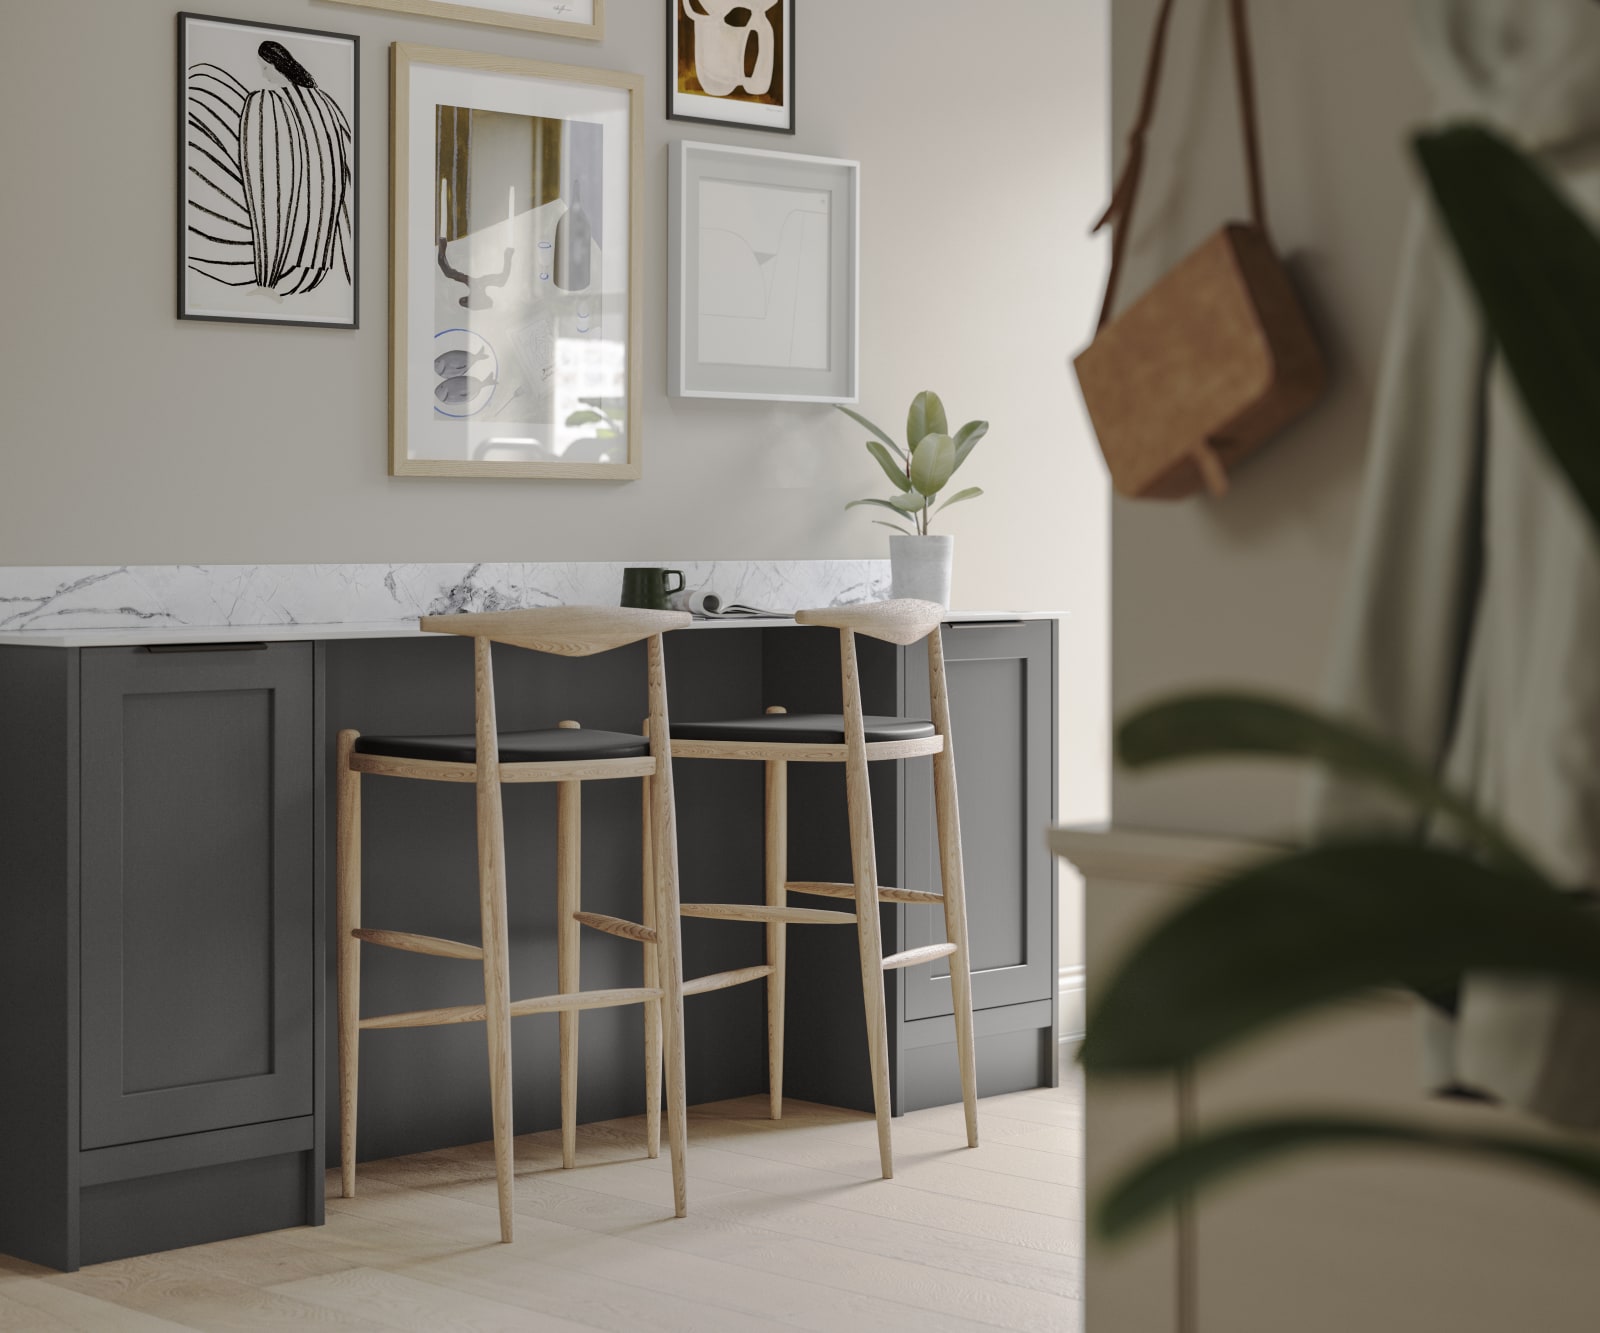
[[211, 596]]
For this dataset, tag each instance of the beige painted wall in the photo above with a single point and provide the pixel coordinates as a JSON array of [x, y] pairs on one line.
[[131, 437], [1245, 591]]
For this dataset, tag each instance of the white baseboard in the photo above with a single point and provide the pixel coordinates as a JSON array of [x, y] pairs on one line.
[[1073, 1000]]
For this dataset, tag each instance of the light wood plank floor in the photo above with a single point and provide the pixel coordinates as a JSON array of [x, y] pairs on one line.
[[788, 1228]]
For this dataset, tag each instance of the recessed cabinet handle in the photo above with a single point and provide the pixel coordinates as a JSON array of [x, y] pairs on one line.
[[205, 648], [985, 624]]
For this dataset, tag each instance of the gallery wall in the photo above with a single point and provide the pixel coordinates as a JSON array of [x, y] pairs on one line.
[[1244, 591], [133, 438]]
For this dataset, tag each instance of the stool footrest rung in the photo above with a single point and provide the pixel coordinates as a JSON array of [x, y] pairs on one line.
[[886, 895], [428, 944], [798, 916], [722, 980], [912, 957], [613, 925], [542, 1004]]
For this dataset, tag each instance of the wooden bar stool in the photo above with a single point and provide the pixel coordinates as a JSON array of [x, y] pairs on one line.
[[780, 739], [569, 756]]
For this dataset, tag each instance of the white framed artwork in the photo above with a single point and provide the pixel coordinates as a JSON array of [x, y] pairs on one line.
[[764, 280], [517, 255]]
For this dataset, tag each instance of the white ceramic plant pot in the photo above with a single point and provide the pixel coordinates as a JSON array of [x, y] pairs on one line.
[[920, 567]]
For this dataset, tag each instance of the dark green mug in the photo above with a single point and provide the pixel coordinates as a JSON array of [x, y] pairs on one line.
[[647, 588]]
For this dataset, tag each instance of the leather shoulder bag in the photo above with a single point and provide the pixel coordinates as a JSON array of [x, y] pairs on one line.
[[1215, 358]]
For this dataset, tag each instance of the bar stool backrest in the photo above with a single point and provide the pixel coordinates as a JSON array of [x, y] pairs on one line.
[[902, 622], [569, 631]]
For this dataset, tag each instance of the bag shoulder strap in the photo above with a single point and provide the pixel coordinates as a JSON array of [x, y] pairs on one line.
[[1119, 214]]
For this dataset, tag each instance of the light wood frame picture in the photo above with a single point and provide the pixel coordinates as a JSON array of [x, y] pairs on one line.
[[565, 18], [517, 263], [732, 62], [268, 173], [764, 276]]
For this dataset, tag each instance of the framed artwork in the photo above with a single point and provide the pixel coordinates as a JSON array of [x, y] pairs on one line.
[[731, 62], [517, 258], [764, 275], [267, 173], [566, 18]]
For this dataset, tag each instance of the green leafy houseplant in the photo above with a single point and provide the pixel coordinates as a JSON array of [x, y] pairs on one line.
[[922, 467], [1328, 922]]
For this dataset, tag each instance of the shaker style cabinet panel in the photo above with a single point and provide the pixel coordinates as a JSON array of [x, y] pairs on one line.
[[1002, 678], [160, 1000], [1002, 691], [197, 828]]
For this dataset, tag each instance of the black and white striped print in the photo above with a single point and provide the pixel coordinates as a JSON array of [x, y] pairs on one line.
[[270, 178]]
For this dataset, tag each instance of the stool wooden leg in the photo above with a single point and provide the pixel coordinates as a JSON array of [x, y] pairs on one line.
[[777, 931], [348, 955], [492, 909], [569, 872], [668, 928], [652, 978], [869, 929], [955, 927], [948, 816]]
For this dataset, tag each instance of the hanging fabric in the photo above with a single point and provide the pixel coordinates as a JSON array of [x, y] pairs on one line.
[[1471, 631]]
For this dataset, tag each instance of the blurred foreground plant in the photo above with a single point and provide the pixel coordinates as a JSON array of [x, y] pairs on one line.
[[1319, 925]]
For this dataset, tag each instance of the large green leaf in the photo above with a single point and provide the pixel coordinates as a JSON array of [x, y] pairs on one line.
[[890, 505], [882, 434], [968, 438], [971, 493], [1215, 725], [1155, 1185], [1294, 932], [886, 461], [926, 418], [1535, 263], [932, 463], [910, 503]]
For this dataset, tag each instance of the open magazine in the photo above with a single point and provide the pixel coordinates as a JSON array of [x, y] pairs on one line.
[[709, 606]]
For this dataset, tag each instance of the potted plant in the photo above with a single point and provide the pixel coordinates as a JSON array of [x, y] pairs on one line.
[[920, 470]]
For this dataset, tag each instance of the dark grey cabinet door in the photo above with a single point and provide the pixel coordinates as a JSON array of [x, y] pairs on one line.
[[1002, 691], [197, 892]]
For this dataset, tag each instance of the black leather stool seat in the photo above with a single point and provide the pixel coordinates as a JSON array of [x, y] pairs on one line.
[[800, 729], [516, 747]]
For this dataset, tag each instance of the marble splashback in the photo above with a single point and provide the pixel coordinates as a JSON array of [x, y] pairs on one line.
[[182, 596]]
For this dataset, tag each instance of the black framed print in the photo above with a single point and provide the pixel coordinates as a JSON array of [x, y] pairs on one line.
[[267, 173], [732, 62]]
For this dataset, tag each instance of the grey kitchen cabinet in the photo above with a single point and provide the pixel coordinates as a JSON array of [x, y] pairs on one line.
[[165, 1074], [1002, 681], [159, 909], [1002, 677]]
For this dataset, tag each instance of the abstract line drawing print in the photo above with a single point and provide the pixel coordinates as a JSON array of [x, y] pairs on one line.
[[765, 275], [271, 177]]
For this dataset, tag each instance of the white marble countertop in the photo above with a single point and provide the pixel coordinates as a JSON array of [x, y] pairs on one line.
[[155, 636], [108, 606]]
